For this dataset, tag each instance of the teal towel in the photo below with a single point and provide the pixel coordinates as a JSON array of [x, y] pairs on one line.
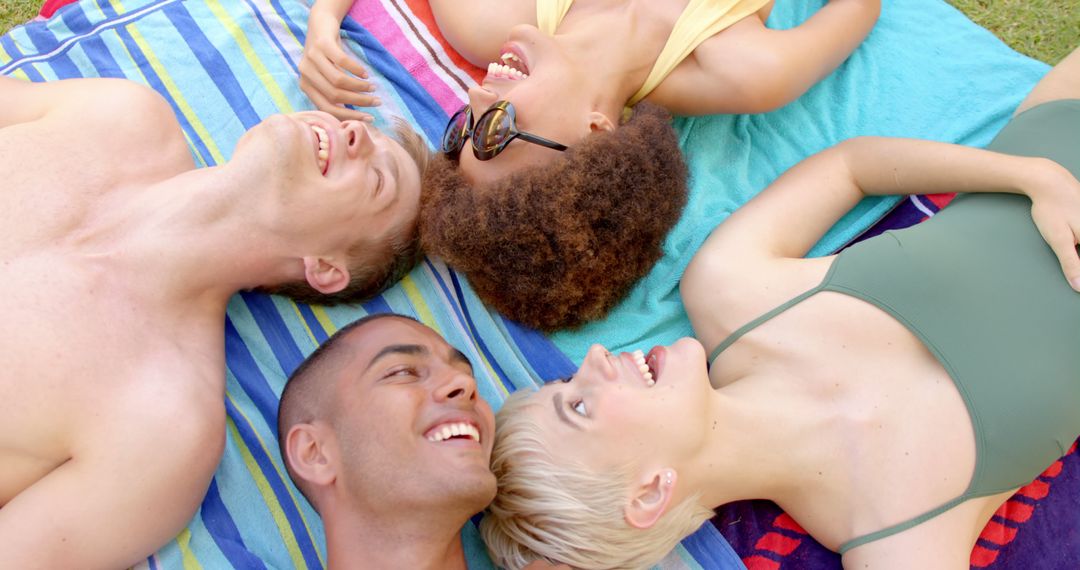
[[925, 71]]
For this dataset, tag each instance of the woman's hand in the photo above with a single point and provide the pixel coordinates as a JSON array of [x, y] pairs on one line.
[[1055, 208], [328, 75]]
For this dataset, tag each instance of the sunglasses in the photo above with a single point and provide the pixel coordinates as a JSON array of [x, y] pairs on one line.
[[495, 129]]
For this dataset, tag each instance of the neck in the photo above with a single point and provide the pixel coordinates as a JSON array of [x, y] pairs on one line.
[[194, 238], [622, 57], [403, 538], [751, 455], [618, 67]]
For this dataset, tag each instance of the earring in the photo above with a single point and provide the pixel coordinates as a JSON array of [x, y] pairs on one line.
[[668, 477]]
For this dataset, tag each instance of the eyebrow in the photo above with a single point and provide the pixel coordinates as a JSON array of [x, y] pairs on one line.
[[409, 349], [560, 409], [457, 355], [416, 350]]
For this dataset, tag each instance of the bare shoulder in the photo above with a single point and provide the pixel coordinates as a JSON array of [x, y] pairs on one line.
[[722, 63], [478, 28], [722, 292]]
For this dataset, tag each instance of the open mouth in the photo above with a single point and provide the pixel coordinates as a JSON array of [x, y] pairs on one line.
[[453, 431], [322, 155], [510, 66], [647, 366]]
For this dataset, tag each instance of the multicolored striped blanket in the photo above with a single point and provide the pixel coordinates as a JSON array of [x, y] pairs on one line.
[[225, 64]]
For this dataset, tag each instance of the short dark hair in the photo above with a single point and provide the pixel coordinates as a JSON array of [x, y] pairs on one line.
[[557, 245], [374, 265], [305, 396]]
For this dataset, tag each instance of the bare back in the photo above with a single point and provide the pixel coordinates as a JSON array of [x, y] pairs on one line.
[[101, 384]]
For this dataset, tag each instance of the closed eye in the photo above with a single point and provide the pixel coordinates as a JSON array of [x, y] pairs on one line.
[[567, 379], [379, 184]]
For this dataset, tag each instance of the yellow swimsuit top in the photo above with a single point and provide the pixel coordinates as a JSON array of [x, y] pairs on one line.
[[701, 20]]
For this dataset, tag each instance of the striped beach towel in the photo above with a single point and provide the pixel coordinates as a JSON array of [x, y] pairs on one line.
[[225, 64]]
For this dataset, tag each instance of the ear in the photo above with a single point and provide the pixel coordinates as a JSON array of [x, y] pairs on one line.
[[651, 499], [600, 122], [326, 274], [309, 456]]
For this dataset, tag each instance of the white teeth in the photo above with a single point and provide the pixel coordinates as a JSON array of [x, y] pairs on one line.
[[509, 56], [446, 431], [505, 71], [639, 359], [324, 145]]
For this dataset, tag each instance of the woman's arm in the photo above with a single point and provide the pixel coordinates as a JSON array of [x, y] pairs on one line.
[[749, 68], [792, 214], [329, 76]]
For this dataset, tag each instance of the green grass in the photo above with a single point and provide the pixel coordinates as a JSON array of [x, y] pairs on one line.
[[1044, 29]]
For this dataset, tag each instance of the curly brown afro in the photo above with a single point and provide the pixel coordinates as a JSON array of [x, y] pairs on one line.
[[560, 244]]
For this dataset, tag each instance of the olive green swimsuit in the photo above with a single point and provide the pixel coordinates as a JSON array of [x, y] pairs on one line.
[[981, 289]]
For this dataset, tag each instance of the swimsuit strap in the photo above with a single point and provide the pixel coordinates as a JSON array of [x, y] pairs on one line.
[[550, 13], [735, 336], [701, 20]]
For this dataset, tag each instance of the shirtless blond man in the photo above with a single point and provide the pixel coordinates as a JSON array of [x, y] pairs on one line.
[[115, 271]]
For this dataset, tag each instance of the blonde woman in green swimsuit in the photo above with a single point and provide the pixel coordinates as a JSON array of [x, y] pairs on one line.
[[889, 398]]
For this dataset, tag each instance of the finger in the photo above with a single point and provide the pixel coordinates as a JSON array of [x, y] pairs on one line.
[[342, 96], [339, 111], [1062, 240], [348, 63], [342, 88]]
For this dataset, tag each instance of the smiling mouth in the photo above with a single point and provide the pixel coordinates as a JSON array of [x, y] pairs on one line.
[[322, 156], [453, 430], [509, 66], [645, 367]]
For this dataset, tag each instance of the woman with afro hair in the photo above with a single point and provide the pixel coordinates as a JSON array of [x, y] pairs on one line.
[[554, 120]]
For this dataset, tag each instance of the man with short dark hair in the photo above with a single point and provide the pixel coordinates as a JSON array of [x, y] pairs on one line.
[[383, 431], [115, 270]]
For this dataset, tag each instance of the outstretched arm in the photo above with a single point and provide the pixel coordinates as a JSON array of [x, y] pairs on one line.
[[117, 501], [749, 68], [329, 76], [792, 214]]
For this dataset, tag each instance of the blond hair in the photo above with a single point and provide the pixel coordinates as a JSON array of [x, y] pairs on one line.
[[549, 509]]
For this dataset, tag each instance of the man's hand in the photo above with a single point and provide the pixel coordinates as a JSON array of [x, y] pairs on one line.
[[328, 75], [1055, 209]]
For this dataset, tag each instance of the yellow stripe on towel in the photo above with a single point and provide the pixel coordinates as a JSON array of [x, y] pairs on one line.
[[282, 523], [264, 75]]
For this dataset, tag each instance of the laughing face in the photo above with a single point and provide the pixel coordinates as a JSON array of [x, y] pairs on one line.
[[548, 91], [326, 177], [411, 429], [630, 409]]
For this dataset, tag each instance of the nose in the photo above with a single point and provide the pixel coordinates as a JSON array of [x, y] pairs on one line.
[[456, 386], [599, 359], [480, 98], [359, 138], [524, 33]]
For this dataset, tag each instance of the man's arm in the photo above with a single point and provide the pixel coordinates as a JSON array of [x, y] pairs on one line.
[[749, 68], [22, 101], [115, 503]]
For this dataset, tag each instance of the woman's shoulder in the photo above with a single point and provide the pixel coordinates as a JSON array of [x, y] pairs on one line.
[[722, 294]]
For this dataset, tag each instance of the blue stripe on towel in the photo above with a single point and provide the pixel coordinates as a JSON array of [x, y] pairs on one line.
[[221, 527], [274, 329], [242, 364], [281, 493], [212, 61], [92, 47], [421, 105]]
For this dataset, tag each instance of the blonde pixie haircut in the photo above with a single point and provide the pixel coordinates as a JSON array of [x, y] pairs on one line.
[[548, 509]]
